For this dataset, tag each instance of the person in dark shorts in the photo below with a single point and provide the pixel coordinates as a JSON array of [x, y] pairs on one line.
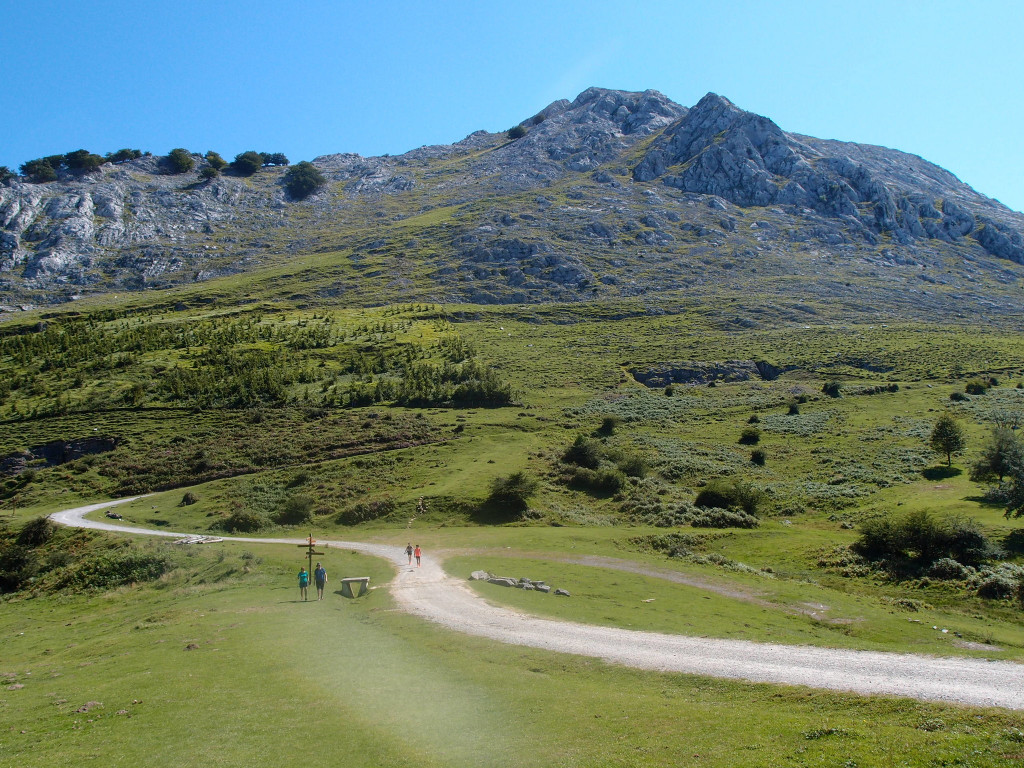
[[408, 551], [303, 583], [417, 552], [320, 578]]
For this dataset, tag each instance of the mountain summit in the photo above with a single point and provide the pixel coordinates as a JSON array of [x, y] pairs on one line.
[[613, 194]]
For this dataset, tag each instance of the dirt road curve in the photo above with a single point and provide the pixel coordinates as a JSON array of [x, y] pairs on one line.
[[429, 593]]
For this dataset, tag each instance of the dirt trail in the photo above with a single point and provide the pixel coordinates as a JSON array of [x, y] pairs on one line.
[[431, 594]]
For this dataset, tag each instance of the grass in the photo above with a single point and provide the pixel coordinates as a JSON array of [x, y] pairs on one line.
[[268, 674]]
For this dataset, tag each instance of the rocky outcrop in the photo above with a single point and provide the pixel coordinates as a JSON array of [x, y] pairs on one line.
[[613, 194]]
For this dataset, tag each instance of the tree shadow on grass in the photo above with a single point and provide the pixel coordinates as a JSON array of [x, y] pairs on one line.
[[985, 502], [941, 473]]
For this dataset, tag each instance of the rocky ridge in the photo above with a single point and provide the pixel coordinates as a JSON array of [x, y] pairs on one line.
[[614, 194]]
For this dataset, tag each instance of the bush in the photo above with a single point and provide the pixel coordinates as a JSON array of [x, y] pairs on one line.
[[366, 510], [794, 409], [36, 532], [247, 163], [832, 389], [513, 491], [750, 436], [584, 452], [958, 397], [670, 390], [723, 518], [758, 456], [976, 387], [608, 425], [188, 499], [209, 172], [603, 481], [730, 494], [274, 158], [948, 569], [82, 161], [633, 465], [216, 161], [997, 586], [915, 541], [303, 179], [754, 419], [244, 521], [39, 171], [516, 132], [6, 174], [123, 155], [297, 509], [180, 160], [113, 570]]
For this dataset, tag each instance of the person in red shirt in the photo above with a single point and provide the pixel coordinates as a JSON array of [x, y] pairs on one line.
[[416, 553]]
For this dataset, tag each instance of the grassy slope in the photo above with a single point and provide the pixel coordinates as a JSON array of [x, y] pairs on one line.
[[838, 461], [274, 681]]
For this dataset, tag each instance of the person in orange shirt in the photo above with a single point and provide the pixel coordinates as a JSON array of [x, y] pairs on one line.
[[416, 553]]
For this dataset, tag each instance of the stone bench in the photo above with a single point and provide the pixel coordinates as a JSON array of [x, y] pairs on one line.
[[349, 586]]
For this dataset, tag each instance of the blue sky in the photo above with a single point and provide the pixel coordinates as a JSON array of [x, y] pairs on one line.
[[939, 79]]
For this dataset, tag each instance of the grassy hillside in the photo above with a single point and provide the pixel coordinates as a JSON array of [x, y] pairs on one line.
[[394, 422]]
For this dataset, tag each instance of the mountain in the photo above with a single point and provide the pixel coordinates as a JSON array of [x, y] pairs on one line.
[[614, 194]]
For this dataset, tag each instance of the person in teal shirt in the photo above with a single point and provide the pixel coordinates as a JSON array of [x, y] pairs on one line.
[[303, 583]]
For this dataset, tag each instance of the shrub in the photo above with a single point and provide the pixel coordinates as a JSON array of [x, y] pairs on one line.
[[608, 425], [513, 491], [113, 570], [247, 163], [6, 174], [216, 161], [36, 532], [758, 456], [794, 409], [82, 161], [976, 387], [123, 155], [997, 586], [832, 388], [366, 510], [754, 419], [958, 397], [918, 539], [297, 509], [723, 518], [730, 494], [584, 452], [180, 160], [670, 390], [750, 436], [274, 158], [303, 179], [948, 569], [39, 171], [209, 172], [188, 499], [633, 465], [243, 521], [516, 132], [604, 481]]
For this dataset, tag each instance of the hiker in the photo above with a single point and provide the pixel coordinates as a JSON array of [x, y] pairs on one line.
[[320, 577], [417, 552], [303, 583], [408, 551]]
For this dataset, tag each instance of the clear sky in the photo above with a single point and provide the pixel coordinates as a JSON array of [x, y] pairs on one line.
[[938, 78]]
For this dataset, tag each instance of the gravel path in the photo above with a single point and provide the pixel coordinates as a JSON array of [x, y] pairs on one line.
[[429, 593]]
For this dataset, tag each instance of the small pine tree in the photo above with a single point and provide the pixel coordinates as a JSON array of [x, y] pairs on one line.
[[180, 160], [303, 179], [947, 437]]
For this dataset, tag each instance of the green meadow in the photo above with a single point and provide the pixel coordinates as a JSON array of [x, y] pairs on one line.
[[385, 424]]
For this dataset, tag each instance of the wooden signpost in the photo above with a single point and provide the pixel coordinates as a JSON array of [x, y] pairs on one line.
[[311, 550]]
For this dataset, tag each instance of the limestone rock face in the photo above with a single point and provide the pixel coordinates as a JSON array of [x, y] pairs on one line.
[[613, 194]]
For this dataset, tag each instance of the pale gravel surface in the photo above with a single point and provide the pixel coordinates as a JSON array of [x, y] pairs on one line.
[[429, 593]]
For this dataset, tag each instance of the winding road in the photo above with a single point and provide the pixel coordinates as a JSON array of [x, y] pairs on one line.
[[428, 592]]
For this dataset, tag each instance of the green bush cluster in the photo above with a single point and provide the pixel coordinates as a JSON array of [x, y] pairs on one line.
[[912, 543], [730, 493], [363, 511]]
